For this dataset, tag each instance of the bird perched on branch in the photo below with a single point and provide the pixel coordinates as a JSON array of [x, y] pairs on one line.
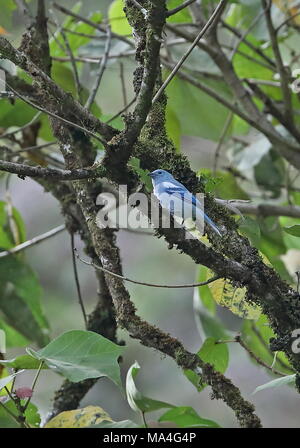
[[176, 198]]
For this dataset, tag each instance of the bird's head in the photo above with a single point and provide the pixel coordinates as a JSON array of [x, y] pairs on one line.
[[160, 176]]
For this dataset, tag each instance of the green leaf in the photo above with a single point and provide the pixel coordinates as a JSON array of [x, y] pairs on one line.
[[17, 114], [4, 381], [7, 9], [173, 127], [231, 297], [76, 41], [78, 355], [284, 381], [215, 354], [25, 362], [182, 16], [270, 173], [13, 338], [204, 293], [134, 162], [256, 336], [6, 237], [250, 228], [272, 242], [31, 414], [194, 379], [20, 299], [187, 417], [136, 400], [212, 353], [289, 227], [208, 323], [117, 19], [206, 117], [251, 155], [228, 187], [293, 230]]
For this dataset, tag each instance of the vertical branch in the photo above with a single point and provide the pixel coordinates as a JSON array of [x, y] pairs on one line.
[[284, 77], [99, 74], [77, 280]]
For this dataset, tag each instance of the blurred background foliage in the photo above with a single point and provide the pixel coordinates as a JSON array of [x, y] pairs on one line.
[[38, 299]]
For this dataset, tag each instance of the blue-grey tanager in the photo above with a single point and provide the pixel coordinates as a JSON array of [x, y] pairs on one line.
[[173, 196]]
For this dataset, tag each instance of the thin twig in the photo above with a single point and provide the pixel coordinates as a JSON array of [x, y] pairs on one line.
[[24, 9], [73, 63], [33, 385], [247, 31], [33, 241], [99, 74], [284, 77], [21, 128], [89, 22], [152, 285], [209, 23], [77, 281], [261, 209], [257, 359], [15, 417], [287, 21], [222, 139], [270, 133], [171, 12], [36, 147], [267, 347], [256, 49], [122, 110], [123, 85], [53, 115]]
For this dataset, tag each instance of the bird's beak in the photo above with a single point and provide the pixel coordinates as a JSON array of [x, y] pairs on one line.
[[151, 175]]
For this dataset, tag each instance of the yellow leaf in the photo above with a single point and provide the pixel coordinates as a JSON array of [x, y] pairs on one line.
[[233, 298], [79, 418], [290, 8], [3, 30]]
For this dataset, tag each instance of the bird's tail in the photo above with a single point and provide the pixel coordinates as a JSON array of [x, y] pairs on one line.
[[212, 225]]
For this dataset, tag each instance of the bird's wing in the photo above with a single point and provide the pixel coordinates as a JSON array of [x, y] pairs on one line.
[[189, 198], [184, 194]]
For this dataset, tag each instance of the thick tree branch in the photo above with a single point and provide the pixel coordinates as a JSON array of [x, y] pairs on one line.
[[68, 106], [48, 173], [148, 32], [262, 209], [151, 336]]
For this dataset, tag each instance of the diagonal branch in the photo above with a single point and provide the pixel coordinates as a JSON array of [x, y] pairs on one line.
[[99, 74], [185, 4], [70, 105], [33, 241], [211, 22], [284, 77], [151, 336]]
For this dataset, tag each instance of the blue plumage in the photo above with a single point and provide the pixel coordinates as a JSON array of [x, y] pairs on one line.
[[175, 197]]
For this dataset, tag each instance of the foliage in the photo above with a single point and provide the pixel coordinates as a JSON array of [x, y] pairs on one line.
[[239, 93]]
